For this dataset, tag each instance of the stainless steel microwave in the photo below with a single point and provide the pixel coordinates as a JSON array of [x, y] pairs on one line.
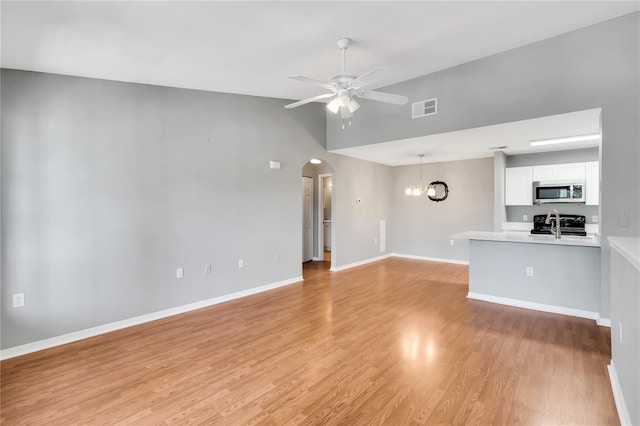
[[558, 192]]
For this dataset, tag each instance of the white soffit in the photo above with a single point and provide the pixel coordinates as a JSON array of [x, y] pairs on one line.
[[477, 142]]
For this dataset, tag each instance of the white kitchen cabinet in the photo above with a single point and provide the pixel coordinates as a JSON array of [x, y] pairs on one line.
[[571, 171], [564, 172], [592, 196], [542, 173], [518, 186]]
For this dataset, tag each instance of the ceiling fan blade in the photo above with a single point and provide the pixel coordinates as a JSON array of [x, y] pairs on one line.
[[308, 100], [367, 78], [313, 81], [383, 97]]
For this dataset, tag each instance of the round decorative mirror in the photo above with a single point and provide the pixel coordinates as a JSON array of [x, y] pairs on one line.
[[437, 191]]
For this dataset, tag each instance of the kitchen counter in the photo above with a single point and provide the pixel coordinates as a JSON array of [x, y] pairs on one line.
[[526, 237], [535, 271]]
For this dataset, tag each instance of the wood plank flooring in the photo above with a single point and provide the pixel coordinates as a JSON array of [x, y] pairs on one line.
[[394, 342]]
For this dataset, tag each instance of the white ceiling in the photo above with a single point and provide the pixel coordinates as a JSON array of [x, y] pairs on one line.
[[477, 143], [252, 47]]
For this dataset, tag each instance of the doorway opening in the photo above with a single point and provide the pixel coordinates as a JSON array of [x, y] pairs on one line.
[[318, 219]]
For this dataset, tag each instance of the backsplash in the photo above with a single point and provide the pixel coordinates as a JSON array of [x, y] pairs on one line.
[[514, 213]]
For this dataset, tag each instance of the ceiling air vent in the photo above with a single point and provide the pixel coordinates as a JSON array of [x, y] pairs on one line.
[[424, 108]]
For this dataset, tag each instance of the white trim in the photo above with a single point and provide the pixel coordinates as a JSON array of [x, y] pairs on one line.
[[362, 262], [618, 396], [431, 259], [603, 322], [106, 328], [320, 214], [535, 306], [316, 259]]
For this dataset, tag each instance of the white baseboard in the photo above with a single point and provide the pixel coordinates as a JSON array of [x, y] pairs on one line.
[[618, 396], [106, 328], [603, 322], [431, 259], [534, 306], [406, 256], [362, 262], [317, 259]]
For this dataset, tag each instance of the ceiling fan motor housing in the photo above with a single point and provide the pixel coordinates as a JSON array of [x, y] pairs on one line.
[[342, 80]]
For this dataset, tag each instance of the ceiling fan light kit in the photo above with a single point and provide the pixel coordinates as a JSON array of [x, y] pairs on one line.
[[345, 88]]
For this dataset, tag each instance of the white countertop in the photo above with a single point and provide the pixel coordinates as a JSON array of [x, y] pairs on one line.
[[628, 247], [526, 237]]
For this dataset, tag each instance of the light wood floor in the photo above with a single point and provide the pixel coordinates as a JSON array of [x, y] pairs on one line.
[[394, 342]]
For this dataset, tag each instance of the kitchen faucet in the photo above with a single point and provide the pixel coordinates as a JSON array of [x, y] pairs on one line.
[[554, 230]]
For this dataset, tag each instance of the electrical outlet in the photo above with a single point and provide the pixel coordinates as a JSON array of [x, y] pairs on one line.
[[620, 331], [18, 300], [179, 273], [594, 219], [240, 263], [207, 268], [525, 218], [276, 258], [452, 242], [375, 241], [529, 271]]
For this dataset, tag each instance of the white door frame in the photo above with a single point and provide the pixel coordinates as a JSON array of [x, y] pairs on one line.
[[310, 242], [321, 216]]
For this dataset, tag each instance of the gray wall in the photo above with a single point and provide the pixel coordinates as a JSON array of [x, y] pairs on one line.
[[594, 67], [422, 227], [356, 225], [499, 269], [499, 209], [554, 157], [514, 213], [108, 187]]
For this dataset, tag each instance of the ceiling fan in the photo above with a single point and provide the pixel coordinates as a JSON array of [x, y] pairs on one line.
[[346, 87]]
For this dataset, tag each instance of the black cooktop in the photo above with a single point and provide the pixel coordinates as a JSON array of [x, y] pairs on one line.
[[570, 224]]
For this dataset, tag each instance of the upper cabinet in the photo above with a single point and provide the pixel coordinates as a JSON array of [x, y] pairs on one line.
[[518, 186], [592, 184], [571, 171], [519, 181]]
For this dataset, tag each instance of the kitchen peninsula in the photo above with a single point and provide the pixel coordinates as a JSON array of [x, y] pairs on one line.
[[535, 271]]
